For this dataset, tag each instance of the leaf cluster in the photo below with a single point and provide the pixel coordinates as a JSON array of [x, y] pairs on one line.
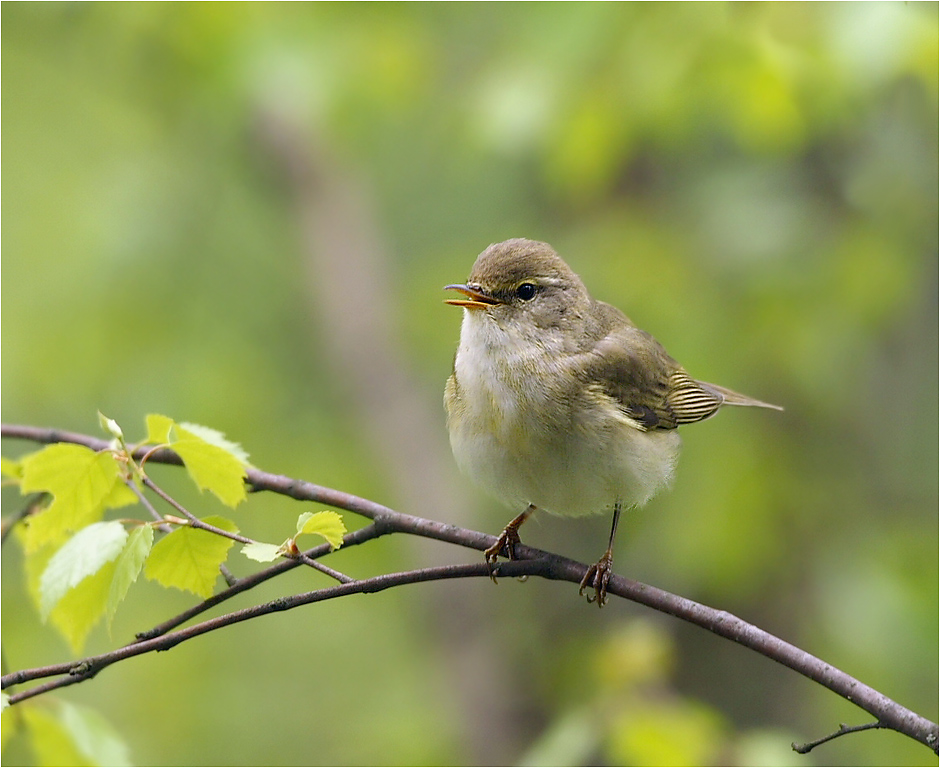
[[80, 566]]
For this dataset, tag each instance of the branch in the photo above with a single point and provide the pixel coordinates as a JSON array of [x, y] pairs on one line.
[[84, 669], [532, 562], [809, 746]]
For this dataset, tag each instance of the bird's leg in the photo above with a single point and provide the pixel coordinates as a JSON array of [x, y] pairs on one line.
[[506, 543], [598, 575]]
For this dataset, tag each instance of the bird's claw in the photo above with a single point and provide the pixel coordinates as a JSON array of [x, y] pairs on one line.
[[597, 577], [505, 544]]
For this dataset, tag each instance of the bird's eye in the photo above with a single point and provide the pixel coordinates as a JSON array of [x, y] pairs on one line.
[[526, 291]]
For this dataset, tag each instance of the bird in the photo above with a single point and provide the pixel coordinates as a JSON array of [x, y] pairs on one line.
[[558, 402]]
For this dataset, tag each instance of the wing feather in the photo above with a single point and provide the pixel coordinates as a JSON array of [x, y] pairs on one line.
[[651, 388]]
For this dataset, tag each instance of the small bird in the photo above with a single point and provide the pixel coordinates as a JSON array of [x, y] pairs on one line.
[[559, 402]]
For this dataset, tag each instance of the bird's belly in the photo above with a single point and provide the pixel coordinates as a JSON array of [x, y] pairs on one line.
[[528, 432], [577, 471]]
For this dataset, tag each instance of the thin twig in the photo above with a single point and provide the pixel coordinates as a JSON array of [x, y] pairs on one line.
[[342, 578], [230, 579], [359, 536], [165, 527], [32, 504], [843, 729], [76, 672]]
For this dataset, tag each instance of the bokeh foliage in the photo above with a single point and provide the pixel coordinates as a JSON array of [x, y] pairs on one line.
[[756, 184]]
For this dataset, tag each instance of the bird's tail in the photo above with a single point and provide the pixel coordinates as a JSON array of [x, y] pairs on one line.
[[730, 397]]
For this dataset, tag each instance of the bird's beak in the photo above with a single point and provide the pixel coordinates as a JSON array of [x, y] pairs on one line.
[[476, 299]]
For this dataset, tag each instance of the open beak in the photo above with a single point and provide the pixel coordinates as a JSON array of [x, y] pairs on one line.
[[476, 299]]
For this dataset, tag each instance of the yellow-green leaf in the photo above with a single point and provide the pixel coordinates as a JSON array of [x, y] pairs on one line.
[[158, 428], [94, 736], [128, 565], [66, 469], [36, 562], [120, 496], [69, 734], [189, 558], [216, 438], [81, 481], [261, 552], [327, 524], [211, 466], [11, 468], [47, 527], [51, 742], [81, 608], [81, 556]]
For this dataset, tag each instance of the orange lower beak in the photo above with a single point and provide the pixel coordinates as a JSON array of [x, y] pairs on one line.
[[476, 299]]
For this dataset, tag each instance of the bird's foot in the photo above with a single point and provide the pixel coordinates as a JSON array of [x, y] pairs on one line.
[[597, 577], [505, 545], [507, 541]]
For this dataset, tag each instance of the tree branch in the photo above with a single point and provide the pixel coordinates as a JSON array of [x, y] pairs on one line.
[[809, 746], [532, 562]]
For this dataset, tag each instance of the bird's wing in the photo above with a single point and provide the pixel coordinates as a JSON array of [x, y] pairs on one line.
[[651, 388], [691, 400]]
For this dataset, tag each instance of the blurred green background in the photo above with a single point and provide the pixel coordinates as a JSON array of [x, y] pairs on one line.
[[242, 216]]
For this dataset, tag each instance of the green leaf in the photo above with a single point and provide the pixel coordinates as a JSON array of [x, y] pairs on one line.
[[95, 738], [72, 735], [212, 461], [128, 565], [11, 468], [81, 556], [121, 496], [66, 469], [77, 613], [47, 527], [327, 524], [189, 558], [51, 742], [81, 608], [210, 466], [261, 552], [82, 483], [158, 428], [216, 438], [35, 563]]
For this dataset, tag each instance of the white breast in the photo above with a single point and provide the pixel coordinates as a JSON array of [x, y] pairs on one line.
[[527, 431]]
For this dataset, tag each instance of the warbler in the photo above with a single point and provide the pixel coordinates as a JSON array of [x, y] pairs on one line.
[[558, 402]]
